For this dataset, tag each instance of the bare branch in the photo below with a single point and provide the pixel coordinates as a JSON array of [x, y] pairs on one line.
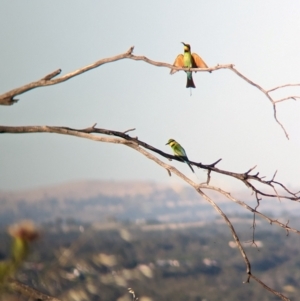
[[86, 133], [282, 86], [234, 234], [8, 97], [136, 144], [247, 172], [52, 74], [267, 95], [28, 291], [252, 210], [286, 98], [129, 130], [242, 251], [142, 147], [270, 289]]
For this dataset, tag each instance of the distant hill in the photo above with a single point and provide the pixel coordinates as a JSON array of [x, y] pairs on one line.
[[85, 190], [97, 200], [128, 200]]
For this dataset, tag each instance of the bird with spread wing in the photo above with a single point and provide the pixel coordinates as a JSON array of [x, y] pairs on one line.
[[189, 60]]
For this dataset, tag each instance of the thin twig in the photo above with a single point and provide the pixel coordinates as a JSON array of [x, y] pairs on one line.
[[129, 130], [286, 98], [252, 210], [282, 86], [264, 92]]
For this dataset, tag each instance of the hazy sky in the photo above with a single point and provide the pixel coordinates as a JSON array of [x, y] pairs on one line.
[[224, 118]]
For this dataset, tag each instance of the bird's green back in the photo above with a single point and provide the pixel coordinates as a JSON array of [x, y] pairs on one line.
[[178, 149], [180, 152]]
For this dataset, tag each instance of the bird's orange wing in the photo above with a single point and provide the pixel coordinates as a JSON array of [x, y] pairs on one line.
[[178, 63], [197, 61]]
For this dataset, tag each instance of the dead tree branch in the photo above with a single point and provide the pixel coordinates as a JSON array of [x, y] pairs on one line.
[[136, 144], [249, 178], [245, 177], [28, 291], [252, 210], [233, 232], [8, 98]]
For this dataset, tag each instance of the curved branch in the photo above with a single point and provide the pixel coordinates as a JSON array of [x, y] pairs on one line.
[[245, 177], [8, 97], [233, 232], [252, 210], [267, 95], [229, 224], [28, 291], [136, 144], [140, 146]]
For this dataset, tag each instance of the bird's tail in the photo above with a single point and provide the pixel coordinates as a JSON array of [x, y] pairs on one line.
[[188, 163], [186, 160], [190, 82]]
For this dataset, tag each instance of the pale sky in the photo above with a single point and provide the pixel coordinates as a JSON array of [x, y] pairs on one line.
[[224, 118]]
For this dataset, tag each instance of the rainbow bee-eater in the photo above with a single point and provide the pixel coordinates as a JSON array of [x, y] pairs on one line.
[[179, 152], [189, 60]]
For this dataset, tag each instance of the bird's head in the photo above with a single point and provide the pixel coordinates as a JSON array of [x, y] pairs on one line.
[[170, 141], [186, 47]]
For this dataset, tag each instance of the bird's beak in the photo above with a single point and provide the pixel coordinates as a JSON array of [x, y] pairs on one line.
[[167, 143], [183, 43]]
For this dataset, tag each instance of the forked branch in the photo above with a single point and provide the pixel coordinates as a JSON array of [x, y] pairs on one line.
[[8, 98], [247, 177], [140, 146]]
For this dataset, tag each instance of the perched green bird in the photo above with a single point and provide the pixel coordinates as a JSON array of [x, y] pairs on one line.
[[190, 60], [179, 152]]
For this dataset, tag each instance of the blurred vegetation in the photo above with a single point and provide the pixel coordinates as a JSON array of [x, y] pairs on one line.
[[75, 261], [22, 235]]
